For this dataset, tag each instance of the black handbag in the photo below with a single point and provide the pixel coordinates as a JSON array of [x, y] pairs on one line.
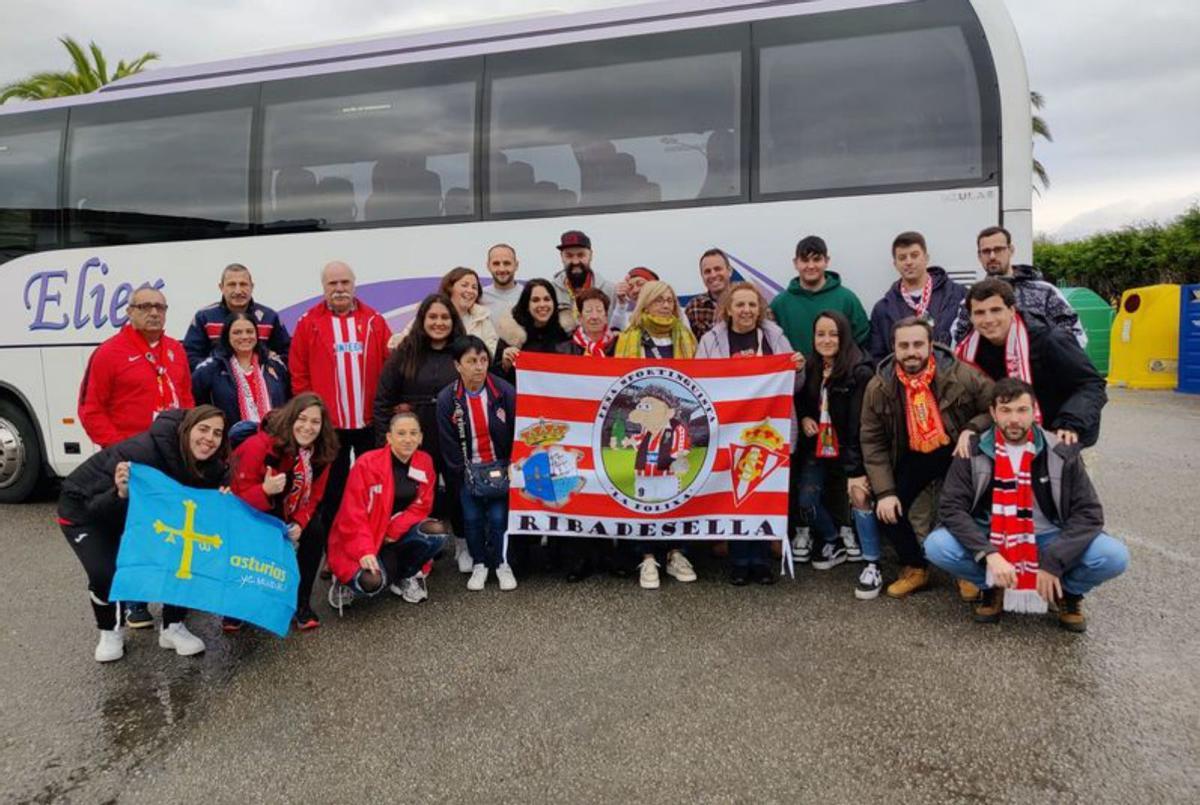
[[490, 480]]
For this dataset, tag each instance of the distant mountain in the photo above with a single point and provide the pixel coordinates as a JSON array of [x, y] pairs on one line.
[[1120, 214]]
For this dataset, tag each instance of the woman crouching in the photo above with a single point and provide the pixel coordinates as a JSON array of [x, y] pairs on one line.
[[382, 536]]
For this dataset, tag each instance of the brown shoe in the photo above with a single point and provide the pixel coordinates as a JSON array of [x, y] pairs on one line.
[[967, 591], [1070, 613], [990, 605], [911, 579]]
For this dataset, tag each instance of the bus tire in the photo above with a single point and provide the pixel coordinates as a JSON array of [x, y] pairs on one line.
[[20, 454]]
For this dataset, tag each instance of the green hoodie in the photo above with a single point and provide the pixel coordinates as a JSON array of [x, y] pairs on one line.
[[797, 308]]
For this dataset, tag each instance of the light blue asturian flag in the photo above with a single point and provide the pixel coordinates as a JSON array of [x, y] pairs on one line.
[[201, 549]]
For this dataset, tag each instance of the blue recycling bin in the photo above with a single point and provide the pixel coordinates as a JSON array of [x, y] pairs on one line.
[[1189, 339]]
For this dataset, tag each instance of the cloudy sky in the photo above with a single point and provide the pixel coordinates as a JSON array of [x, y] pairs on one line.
[[1121, 79]]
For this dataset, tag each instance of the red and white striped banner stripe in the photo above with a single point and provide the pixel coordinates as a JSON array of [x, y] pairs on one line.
[[584, 427]]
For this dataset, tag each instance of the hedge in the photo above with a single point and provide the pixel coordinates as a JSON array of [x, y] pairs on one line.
[[1111, 262]]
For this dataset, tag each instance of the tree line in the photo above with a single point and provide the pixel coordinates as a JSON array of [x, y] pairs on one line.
[[1112, 262]]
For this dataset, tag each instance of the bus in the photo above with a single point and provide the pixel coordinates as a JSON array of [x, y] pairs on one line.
[[660, 130]]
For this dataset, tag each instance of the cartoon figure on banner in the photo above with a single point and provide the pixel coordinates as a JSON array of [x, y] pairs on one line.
[[551, 472], [762, 450], [662, 445]]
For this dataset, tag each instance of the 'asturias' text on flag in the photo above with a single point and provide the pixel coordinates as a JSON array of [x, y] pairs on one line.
[[201, 549]]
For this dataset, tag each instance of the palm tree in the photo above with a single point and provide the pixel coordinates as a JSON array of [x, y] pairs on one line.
[[1040, 129], [88, 76]]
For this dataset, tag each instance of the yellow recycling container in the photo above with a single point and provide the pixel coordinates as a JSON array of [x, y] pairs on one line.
[[1145, 339]]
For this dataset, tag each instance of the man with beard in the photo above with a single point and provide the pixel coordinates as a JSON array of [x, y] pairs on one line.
[[505, 290], [575, 251], [919, 404], [1069, 393], [1021, 519], [1036, 299]]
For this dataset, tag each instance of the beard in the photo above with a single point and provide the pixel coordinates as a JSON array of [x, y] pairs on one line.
[[1015, 434], [911, 366]]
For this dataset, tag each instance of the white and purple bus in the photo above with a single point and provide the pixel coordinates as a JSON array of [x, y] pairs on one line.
[[661, 130]]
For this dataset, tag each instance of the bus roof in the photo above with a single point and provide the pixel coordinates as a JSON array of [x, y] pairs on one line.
[[447, 43]]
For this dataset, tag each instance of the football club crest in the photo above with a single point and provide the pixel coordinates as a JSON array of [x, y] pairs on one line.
[[761, 451], [551, 471]]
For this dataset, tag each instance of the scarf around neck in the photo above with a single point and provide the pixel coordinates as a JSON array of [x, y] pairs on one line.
[[254, 401], [926, 432], [920, 307], [167, 397], [827, 439], [1012, 530], [594, 349], [1016, 355], [302, 482], [683, 343]]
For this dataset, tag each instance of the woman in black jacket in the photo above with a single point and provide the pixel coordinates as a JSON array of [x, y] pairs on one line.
[[829, 408], [420, 367], [533, 324], [191, 447]]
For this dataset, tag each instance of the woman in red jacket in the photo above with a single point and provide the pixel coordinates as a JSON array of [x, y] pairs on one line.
[[282, 469], [382, 535]]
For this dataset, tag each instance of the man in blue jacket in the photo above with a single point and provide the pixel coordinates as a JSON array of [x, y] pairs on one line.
[[237, 289], [923, 291], [476, 415]]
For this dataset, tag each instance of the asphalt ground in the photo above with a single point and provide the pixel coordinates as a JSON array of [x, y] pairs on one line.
[[601, 691]]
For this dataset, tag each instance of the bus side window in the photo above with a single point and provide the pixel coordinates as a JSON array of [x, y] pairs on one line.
[[29, 149]]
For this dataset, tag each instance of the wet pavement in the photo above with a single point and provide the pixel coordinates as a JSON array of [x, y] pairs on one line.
[[604, 692]]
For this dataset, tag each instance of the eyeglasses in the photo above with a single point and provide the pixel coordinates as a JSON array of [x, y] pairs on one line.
[[993, 250], [149, 307]]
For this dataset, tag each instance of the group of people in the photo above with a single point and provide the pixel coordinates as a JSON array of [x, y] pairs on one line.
[[381, 451]]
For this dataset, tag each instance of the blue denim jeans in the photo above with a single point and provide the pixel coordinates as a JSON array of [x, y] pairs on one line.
[[820, 521], [485, 521], [750, 553], [1106, 558], [403, 558]]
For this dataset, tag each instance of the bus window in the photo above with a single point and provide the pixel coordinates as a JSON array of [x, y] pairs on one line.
[[607, 124], [861, 108], [162, 168], [29, 152], [385, 145]]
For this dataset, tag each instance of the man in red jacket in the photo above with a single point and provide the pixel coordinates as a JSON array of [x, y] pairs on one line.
[[337, 352], [135, 375], [130, 379]]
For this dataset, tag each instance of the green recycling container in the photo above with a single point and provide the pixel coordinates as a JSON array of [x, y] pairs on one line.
[[1096, 316]]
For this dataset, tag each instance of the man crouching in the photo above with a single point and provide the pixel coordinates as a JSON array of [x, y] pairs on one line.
[[1021, 519]]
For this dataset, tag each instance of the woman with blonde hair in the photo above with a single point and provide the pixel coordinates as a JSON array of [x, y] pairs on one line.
[[656, 328]]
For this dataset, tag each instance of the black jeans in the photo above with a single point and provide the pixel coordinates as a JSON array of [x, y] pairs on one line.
[[913, 473], [308, 555], [96, 547], [360, 441]]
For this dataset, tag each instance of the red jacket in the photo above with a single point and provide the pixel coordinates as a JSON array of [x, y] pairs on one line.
[[313, 361], [119, 395], [364, 520], [250, 462]]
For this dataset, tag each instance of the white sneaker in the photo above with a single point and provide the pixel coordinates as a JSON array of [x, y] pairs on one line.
[[850, 540], [465, 563], [802, 545], [178, 637], [340, 596], [869, 583], [648, 574], [505, 576], [412, 589], [479, 574], [111, 646], [679, 568]]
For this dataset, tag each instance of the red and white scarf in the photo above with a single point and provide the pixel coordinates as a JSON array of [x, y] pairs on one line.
[[926, 432], [594, 349], [919, 307], [1012, 531], [302, 483], [827, 440], [1016, 355], [253, 399]]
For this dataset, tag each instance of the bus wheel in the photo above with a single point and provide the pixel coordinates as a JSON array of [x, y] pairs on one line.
[[20, 454]]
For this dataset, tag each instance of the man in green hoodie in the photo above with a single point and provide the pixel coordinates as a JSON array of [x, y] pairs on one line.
[[816, 288]]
